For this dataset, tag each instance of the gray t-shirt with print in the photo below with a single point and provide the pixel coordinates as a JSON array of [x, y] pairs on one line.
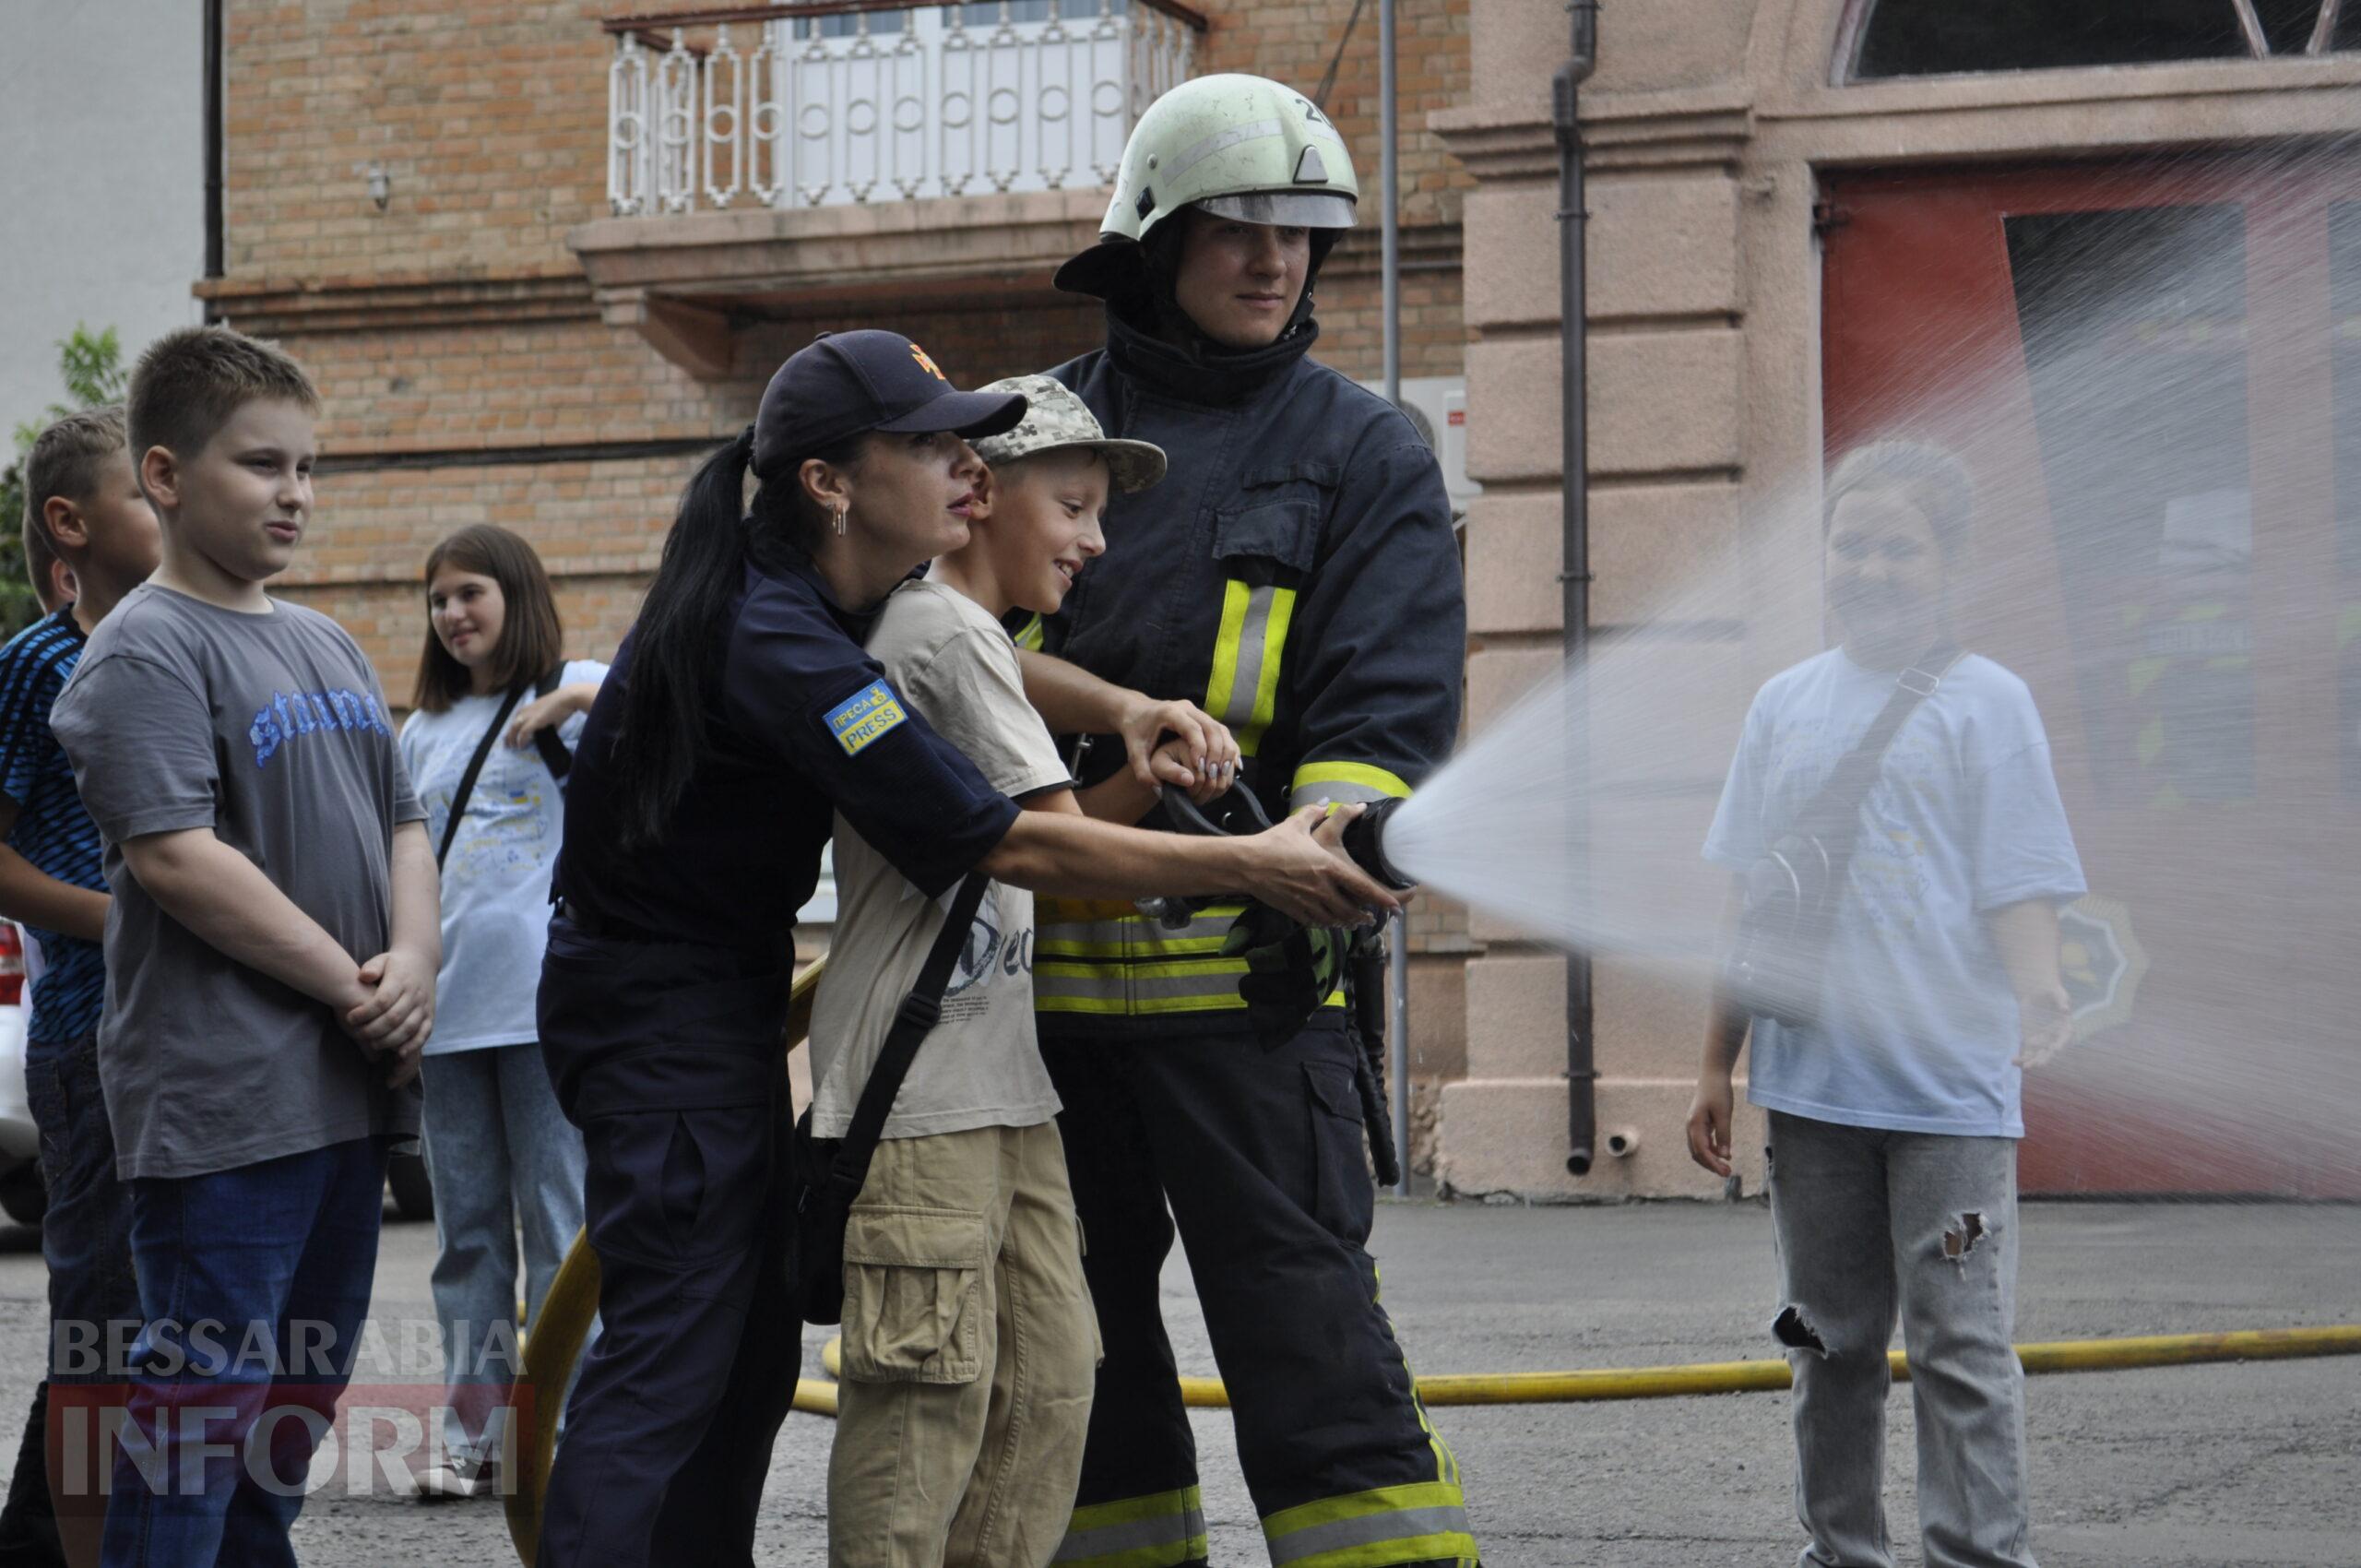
[[270, 729]]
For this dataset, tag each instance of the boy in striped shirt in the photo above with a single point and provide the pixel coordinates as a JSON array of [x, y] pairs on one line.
[[84, 504]]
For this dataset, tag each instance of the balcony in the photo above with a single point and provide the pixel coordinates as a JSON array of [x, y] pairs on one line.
[[770, 157]]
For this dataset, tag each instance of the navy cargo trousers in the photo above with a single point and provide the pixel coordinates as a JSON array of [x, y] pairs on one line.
[[668, 1430]]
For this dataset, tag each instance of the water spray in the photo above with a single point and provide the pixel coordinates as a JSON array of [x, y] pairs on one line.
[[2162, 551]]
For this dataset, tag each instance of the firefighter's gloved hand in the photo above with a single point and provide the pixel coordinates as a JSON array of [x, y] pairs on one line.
[[1290, 970]]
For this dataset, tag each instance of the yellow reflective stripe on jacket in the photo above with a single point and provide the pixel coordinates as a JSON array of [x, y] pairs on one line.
[[1160, 1530], [1244, 689], [1118, 965], [1087, 960], [1060, 934], [1342, 782], [1418, 1522], [1205, 986], [1028, 636]]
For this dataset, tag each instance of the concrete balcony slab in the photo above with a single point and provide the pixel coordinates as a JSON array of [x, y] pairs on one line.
[[688, 282]]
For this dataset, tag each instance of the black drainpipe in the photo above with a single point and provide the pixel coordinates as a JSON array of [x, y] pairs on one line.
[[215, 153], [1582, 1063]]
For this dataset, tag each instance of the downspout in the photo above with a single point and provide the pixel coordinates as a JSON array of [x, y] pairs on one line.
[[1581, 1062], [215, 153], [1397, 955]]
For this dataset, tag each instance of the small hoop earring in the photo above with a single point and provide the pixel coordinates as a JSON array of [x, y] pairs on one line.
[[841, 522]]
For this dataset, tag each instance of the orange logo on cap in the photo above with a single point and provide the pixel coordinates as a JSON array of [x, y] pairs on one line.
[[929, 365]]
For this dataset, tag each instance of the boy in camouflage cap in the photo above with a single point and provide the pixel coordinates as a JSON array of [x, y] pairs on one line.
[[1057, 421], [962, 1416]]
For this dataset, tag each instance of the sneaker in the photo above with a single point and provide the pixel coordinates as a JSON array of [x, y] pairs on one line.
[[445, 1483]]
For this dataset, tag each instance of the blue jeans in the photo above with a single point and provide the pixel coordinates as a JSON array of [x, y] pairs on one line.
[[86, 1231], [1871, 1225], [501, 1157], [284, 1249]]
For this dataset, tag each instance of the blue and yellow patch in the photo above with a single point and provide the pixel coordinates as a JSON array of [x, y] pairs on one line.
[[861, 718]]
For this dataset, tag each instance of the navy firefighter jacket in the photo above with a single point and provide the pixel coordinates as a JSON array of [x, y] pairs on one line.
[[1295, 575]]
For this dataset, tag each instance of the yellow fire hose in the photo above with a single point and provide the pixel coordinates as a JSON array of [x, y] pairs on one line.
[[555, 1342], [1750, 1377]]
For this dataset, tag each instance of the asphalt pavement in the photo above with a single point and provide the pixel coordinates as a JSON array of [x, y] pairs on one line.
[[2205, 1467]]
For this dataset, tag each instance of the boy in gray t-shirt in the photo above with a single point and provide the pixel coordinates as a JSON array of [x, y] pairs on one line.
[[272, 953]]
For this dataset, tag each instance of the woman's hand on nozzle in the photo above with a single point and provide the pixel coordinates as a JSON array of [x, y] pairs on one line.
[[1299, 868]]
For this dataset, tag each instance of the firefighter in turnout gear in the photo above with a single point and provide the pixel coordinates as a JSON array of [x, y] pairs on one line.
[[1296, 575]]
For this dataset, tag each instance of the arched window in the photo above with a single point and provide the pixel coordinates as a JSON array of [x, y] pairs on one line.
[[1924, 38]]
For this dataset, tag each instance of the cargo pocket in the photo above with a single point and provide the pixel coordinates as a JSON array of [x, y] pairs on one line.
[[683, 1189], [1344, 1198], [913, 1295]]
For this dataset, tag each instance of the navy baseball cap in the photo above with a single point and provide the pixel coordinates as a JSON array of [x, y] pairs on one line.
[[846, 383]]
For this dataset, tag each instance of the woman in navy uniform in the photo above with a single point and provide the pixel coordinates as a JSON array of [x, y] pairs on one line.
[[740, 714]]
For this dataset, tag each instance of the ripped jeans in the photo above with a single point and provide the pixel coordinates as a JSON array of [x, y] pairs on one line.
[[1871, 1224]]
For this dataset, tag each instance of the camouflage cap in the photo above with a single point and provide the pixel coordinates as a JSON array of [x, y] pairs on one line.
[[1054, 419]]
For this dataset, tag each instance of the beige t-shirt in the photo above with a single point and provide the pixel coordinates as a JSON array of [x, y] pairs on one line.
[[981, 1065]]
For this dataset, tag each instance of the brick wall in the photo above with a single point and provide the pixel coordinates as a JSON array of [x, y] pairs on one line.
[[1294, 42], [468, 375], [490, 121], [598, 522]]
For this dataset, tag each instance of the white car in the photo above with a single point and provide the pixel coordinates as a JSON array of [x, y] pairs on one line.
[[20, 1189]]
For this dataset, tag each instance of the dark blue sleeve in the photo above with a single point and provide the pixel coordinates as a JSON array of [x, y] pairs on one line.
[[801, 689], [28, 687]]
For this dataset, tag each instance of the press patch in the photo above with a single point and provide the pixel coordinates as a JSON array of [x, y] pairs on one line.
[[865, 716]]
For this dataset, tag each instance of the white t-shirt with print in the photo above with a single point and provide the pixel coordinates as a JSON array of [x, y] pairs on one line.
[[496, 880], [981, 1065], [1917, 1030]]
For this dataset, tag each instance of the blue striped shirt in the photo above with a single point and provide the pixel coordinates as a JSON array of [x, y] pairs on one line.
[[53, 831]]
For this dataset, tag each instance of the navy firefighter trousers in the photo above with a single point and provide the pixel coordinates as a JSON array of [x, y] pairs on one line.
[[1259, 1155], [669, 1431]]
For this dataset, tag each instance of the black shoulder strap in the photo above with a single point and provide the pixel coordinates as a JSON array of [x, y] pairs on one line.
[[555, 756], [468, 779], [918, 1014], [1831, 813]]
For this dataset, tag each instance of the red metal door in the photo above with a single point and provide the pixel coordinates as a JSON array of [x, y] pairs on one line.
[[2161, 555]]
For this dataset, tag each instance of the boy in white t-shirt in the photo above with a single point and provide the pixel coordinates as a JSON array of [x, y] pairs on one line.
[[969, 1340], [1895, 1110]]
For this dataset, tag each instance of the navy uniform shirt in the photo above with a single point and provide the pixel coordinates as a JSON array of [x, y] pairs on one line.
[[804, 724]]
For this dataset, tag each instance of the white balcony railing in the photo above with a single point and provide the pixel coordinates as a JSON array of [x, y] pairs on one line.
[[850, 100]]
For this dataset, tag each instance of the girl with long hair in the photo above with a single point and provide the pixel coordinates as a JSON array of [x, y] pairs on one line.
[[494, 714]]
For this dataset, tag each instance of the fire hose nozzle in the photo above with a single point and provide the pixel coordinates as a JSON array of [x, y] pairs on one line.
[[1365, 842]]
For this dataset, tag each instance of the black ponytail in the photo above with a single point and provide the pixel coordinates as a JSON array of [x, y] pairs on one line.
[[678, 644]]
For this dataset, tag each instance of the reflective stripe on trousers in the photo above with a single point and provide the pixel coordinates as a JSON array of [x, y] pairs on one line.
[[1160, 1530], [1424, 1521]]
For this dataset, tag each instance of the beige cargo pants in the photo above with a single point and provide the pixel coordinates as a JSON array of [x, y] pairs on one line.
[[970, 1348]]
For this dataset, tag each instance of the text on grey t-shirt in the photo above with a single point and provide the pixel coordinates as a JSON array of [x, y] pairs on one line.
[[270, 729]]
